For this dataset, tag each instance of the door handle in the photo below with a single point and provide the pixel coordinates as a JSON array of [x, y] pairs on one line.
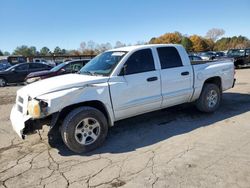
[[151, 79], [185, 73]]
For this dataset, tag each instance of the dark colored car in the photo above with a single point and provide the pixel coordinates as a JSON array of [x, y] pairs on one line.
[[4, 66], [219, 54], [195, 58], [241, 57], [18, 73], [63, 68]]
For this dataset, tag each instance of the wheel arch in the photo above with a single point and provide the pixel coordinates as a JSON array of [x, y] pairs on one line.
[[94, 103], [3, 77], [214, 80], [238, 63]]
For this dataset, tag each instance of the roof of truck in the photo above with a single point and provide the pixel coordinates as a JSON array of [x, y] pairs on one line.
[[137, 47]]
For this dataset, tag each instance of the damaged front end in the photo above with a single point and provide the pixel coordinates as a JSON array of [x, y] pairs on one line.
[[29, 115], [32, 126]]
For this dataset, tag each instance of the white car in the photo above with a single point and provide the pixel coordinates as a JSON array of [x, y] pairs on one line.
[[207, 55], [115, 85]]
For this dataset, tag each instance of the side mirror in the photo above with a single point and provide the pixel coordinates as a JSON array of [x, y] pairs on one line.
[[123, 70]]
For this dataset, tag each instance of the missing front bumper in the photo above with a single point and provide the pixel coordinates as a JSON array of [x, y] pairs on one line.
[[25, 125], [17, 121]]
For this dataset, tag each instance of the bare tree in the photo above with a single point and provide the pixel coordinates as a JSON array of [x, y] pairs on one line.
[[119, 44], [140, 43], [91, 45], [103, 47], [215, 33], [82, 47]]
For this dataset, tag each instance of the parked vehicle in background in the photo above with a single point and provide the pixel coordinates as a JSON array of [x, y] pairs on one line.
[[39, 60], [220, 54], [207, 55], [18, 73], [4, 66], [241, 57], [16, 59], [115, 85], [63, 68], [195, 58]]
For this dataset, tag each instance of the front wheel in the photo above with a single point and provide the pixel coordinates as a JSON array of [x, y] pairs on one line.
[[84, 129], [209, 99], [2, 82]]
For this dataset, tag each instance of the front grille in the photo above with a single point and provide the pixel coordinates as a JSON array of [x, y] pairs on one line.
[[20, 99], [20, 108]]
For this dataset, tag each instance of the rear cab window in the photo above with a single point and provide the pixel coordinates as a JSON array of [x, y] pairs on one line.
[[169, 57]]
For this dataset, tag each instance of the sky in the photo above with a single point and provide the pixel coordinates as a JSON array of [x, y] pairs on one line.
[[67, 23]]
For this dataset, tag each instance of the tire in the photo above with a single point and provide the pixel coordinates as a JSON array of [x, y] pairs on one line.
[[237, 66], [84, 129], [210, 98], [2, 82]]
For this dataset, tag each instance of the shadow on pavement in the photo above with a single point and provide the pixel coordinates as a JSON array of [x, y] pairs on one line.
[[151, 128]]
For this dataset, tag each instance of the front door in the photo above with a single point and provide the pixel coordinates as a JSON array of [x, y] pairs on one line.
[[138, 90], [19, 73]]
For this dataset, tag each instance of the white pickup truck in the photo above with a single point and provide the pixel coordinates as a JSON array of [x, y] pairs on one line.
[[115, 85]]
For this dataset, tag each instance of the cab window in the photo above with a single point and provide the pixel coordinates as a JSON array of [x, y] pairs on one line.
[[140, 61], [169, 57]]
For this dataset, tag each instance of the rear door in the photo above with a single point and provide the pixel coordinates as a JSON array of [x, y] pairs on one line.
[[176, 79], [35, 67], [138, 90]]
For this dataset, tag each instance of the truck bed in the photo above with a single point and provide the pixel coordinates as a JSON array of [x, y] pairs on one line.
[[209, 61]]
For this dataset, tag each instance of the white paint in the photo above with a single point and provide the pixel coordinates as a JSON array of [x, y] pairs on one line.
[[130, 94]]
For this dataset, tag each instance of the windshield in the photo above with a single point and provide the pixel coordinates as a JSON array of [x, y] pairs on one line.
[[236, 53], [103, 64], [58, 67]]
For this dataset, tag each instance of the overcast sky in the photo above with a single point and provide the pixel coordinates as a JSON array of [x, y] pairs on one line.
[[67, 23]]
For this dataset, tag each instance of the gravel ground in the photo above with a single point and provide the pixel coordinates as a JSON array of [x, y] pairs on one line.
[[175, 147]]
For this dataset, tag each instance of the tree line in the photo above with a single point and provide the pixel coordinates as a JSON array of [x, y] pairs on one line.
[[213, 41]]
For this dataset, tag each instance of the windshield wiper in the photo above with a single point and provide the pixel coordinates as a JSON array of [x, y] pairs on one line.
[[89, 73]]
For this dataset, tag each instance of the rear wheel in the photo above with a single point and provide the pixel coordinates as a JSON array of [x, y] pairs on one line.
[[84, 129], [2, 82], [209, 99]]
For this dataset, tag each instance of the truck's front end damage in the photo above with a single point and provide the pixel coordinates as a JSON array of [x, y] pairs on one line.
[[28, 114], [40, 103]]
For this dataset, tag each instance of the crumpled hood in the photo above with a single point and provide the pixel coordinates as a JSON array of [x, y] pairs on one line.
[[59, 83]]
